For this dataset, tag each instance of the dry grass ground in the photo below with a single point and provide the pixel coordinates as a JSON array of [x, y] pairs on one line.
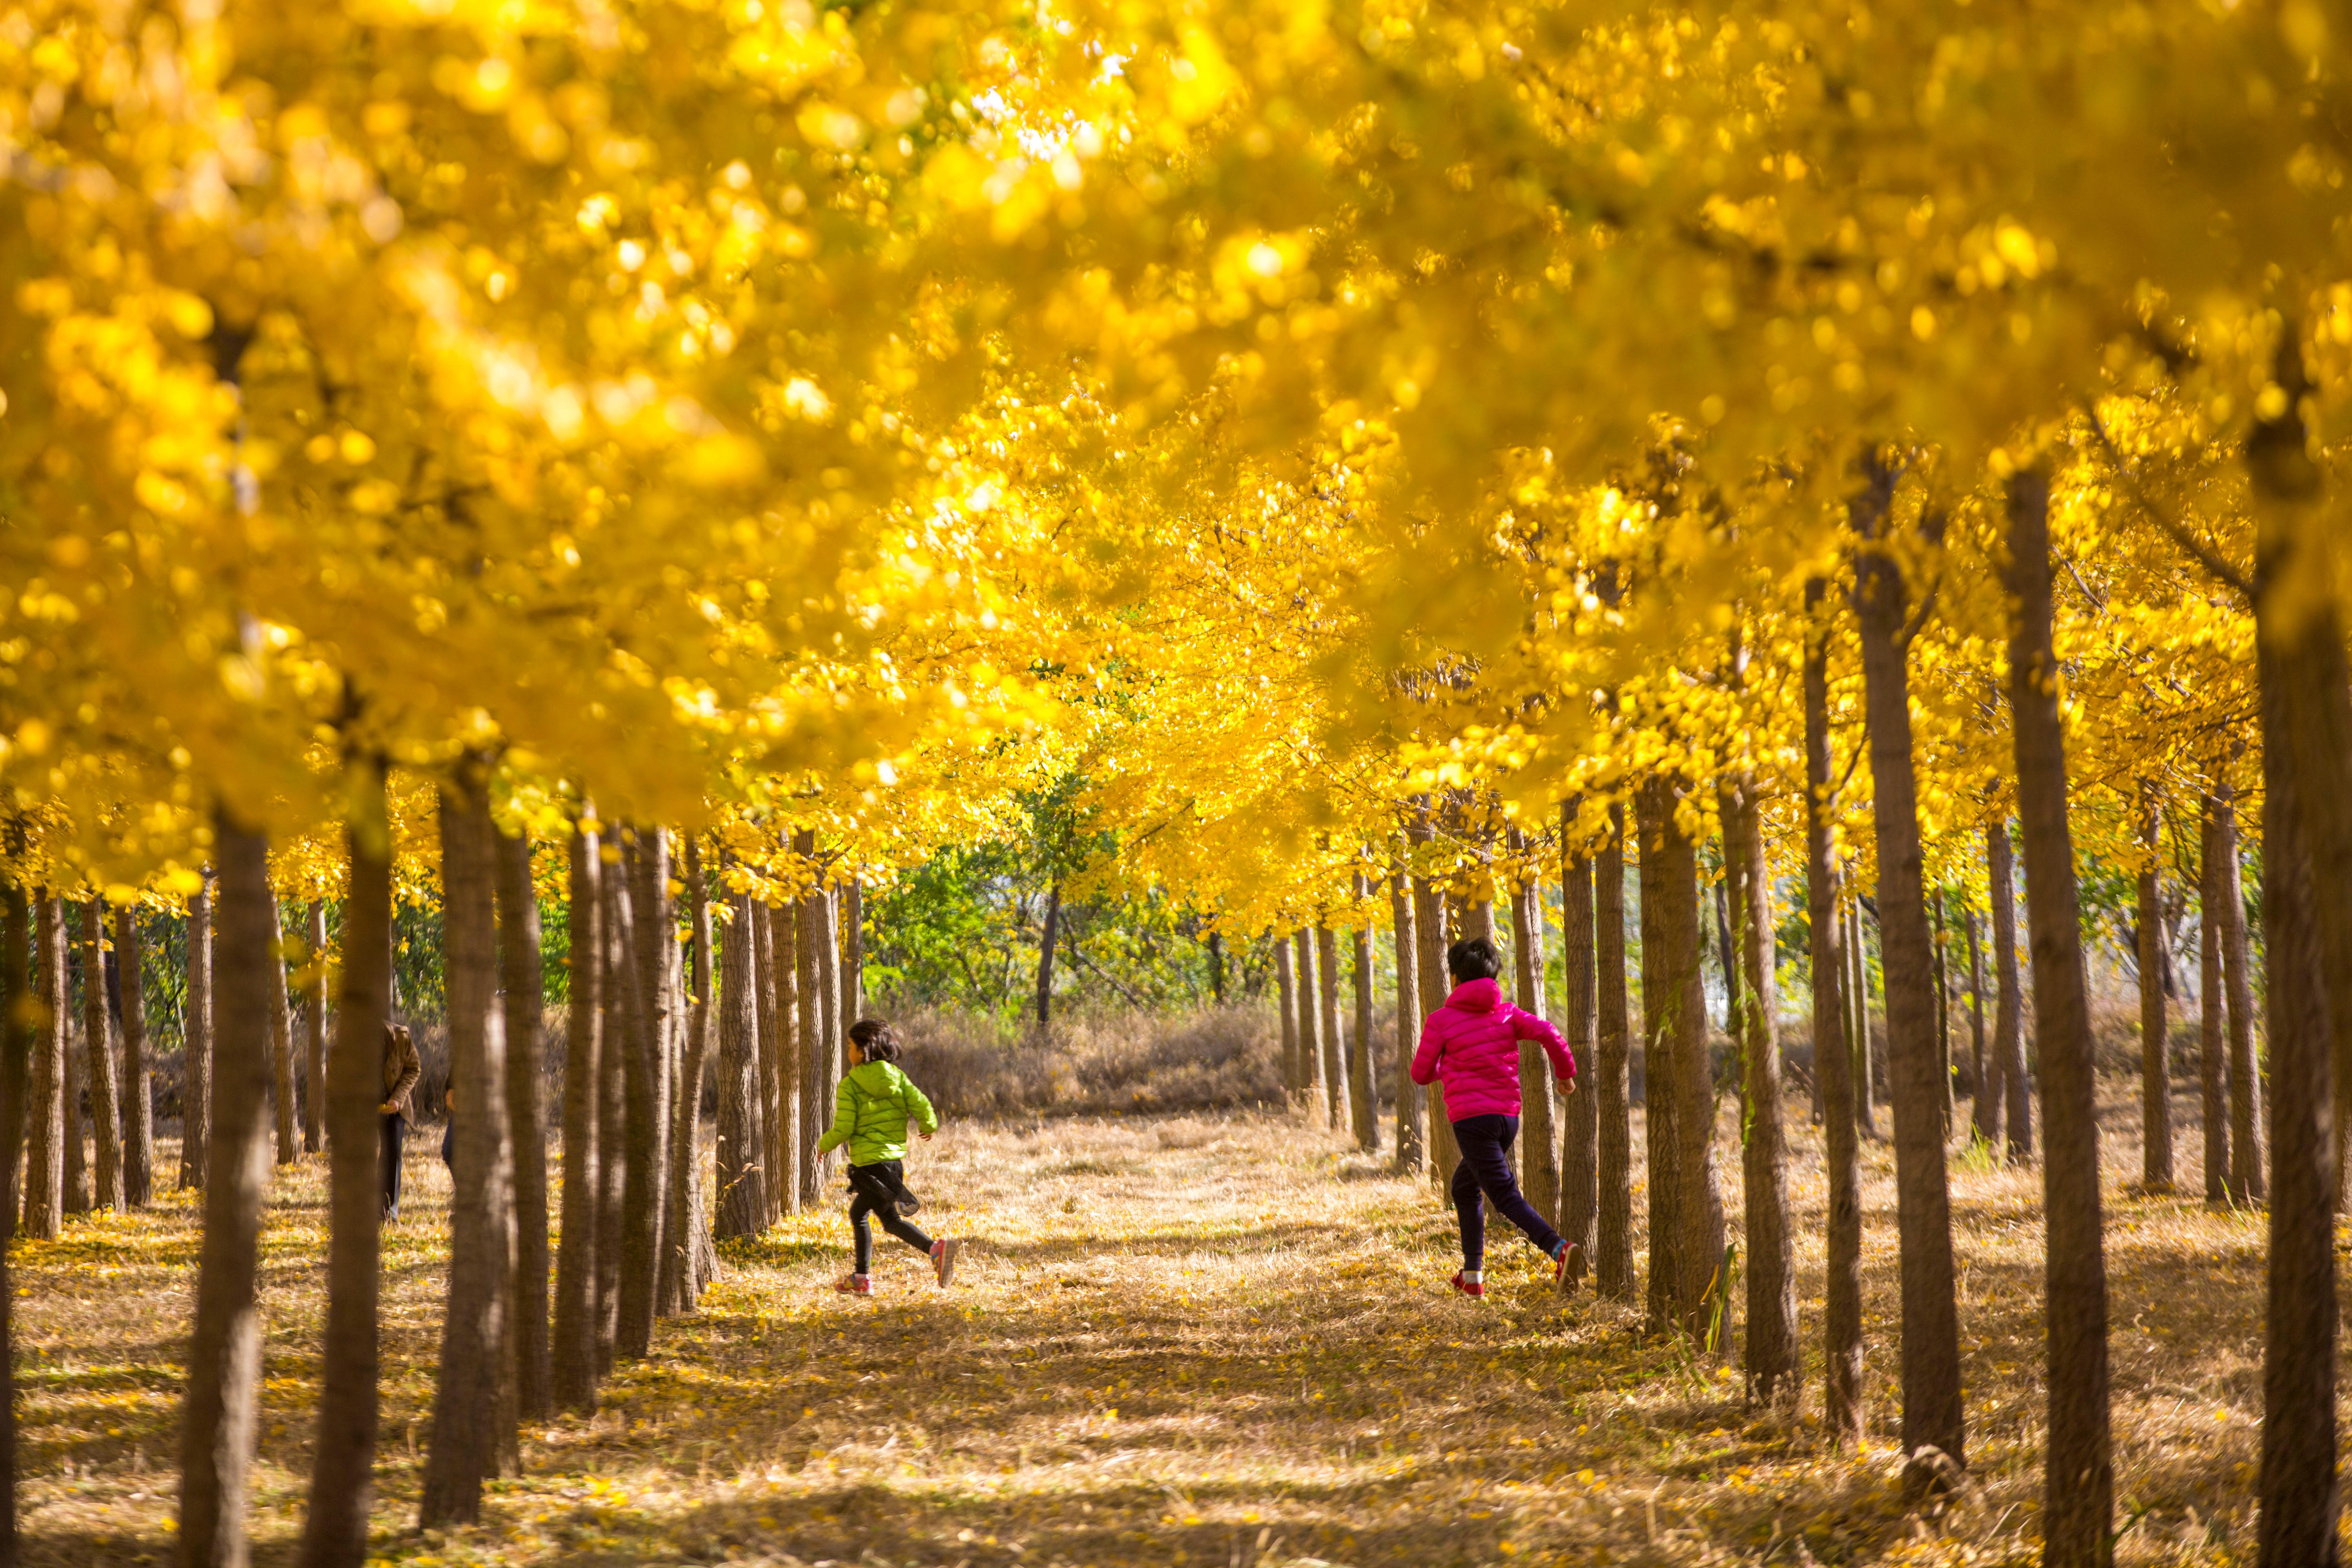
[[1201, 1341]]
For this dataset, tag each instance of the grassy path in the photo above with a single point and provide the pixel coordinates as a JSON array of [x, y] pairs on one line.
[[1191, 1341]]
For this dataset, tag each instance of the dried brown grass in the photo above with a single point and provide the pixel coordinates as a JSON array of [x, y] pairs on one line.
[[1179, 1339]]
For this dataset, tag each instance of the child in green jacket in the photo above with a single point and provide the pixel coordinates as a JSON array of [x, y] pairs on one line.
[[870, 1112]]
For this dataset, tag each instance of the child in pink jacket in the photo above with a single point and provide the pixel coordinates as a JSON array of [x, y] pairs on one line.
[[1472, 1043]]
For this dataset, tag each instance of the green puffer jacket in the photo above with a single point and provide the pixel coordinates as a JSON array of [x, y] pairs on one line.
[[870, 1113]]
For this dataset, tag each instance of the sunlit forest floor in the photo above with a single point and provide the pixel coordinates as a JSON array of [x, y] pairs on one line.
[[1196, 1340]]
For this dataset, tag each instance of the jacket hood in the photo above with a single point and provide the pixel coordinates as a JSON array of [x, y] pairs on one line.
[[875, 1077], [1476, 995]]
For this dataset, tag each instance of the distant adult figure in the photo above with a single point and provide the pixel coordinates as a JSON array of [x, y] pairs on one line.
[[401, 1068], [1473, 1043]]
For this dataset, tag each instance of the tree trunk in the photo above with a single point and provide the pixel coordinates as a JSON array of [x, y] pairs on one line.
[[1311, 1086], [783, 1059], [1429, 934], [1697, 1297], [643, 1179], [1046, 943], [45, 1125], [1286, 981], [16, 1031], [1539, 1132], [1363, 1097], [615, 1004], [740, 1140], [1858, 1019], [816, 1083], [197, 1098], [137, 1076], [217, 1425], [2248, 1182], [853, 954], [526, 1001], [571, 1361], [2212, 1034], [474, 1408], [2078, 1478], [689, 1248], [1661, 1000], [1612, 1065], [1579, 1165], [76, 1083], [769, 1177], [1770, 1356], [1940, 976], [1727, 953], [344, 1456], [657, 956], [1984, 1109], [1411, 1150], [1842, 1401], [2009, 1021], [1334, 1065], [282, 1043], [827, 1040], [2155, 1052], [97, 1038], [1216, 946], [314, 1028], [1933, 1414]]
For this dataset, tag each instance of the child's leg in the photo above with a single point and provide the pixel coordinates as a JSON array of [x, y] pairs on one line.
[[1486, 1142], [1473, 1218], [861, 1233], [904, 1230]]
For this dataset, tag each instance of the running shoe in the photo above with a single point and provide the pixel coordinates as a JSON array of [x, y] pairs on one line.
[[855, 1285], [943, 1260], [1467, 1286], [1569, 1269]]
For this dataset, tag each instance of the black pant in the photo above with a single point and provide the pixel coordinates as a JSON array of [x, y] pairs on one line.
[[395, 1129], [874, 1190], [1486, 1168]]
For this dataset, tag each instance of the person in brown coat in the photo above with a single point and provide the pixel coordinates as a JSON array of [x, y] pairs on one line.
[[401, 1068]]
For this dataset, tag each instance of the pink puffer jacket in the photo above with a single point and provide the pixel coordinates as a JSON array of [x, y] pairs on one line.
[[1472, 1044]]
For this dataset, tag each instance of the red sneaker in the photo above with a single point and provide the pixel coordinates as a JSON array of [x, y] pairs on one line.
[[943, 1260], [853, 1285], [1467, 1286], [1569, 1269]]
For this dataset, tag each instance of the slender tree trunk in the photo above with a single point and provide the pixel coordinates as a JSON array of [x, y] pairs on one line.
[[1538, 1132], [1335, 1069], [1363, 1097], [17, 1032], [1940, 974], [853, 954], [816, 1083], [314, 1028], [1611, 1064], [1310, 1019], [1663, 993], [1676, 1027], [526, 1001], [1984, 1109], [1727, 952], [2078, 1478], [1411, 1150], [2248, 1182], [1770, 1356], [1286, 981], [1933, 1414], [2213, 1035], [771, 1178], [827, 1040], [45, 1197], [739, 1143], [1046, 943], [657, 991], [1858, 1009], [616, 1000], [1216, 946], [642, 1181], [217, 1425], [98, 1037], [1579, 1193], [2009, 1021], [343, 1456], [1842, 1401], [1429, 932], [76, 1083], [786, 1059], [281, 1042], [571, 1361], [2154, 1053], [689, 1244], [138, 1077], [197, 1099]]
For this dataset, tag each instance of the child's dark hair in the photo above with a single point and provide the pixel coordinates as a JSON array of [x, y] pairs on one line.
[[873, 1036], [1473, 958]]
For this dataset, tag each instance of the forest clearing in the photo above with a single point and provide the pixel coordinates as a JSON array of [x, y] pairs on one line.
[[1179, 1340]]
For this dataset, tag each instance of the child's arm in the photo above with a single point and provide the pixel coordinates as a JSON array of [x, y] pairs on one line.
[[920, 1108], [1424, 1059], [844, 1118], [1527, 1027]]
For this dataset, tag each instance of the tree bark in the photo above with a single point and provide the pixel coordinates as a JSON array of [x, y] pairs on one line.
[[17, 1032], [2154, 1048], [1843, 1408], [1933, 1414], [1940, 977], [343, 1456], [77, 1086], [571, 1359], [1984, 1108], [45, 1125], [1539, 1130], [689, 1249], [818, 915], [768, 1176], [314, 1028], [1046, 943], [1673, 1027], [217, 1425], [1769, 1352], [526, 1001], [2212, 1032], [740, 1140], [2248, 1182], [816, 1083], [1285, 981], [2078, 1478], [137, 1076], [1310, 1018], [197, 1099], [282, 1043], [1335, 1070], [1580, 1167], [97, 1038], [1429, 933], [474, 1408], [616, 1004], [1363, 1097], [1412, 1153], [783, 1060], [1611, 1069], [853, 953], [2009, 1021], [1865, 1116], [644, 1178]]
